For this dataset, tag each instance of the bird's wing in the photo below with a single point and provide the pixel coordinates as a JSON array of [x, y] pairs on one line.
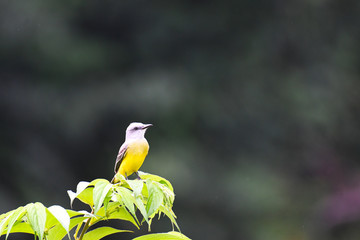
[[120, 157]]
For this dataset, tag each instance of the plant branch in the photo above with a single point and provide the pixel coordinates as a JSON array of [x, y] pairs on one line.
[[86, 227]]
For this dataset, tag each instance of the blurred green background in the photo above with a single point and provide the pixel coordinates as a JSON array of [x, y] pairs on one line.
[[255, 106]]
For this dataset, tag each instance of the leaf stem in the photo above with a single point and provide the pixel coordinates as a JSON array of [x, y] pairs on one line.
[[86, 227]]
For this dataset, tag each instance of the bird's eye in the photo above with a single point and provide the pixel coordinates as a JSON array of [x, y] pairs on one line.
[[136, 128]]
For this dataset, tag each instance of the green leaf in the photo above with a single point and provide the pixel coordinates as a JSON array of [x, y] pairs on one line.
[[107, 200], [58, 232], [101, 190], [51, 221], [124, 196], [140, 205], [115, 211], [84, 192], [36, 213], [156, 178], [4, 215], [86, 196], [169, 196], [119, 179], [73, 213], [17, 214], [170, 214], [163, 236], [86, 213], [121, 213], [94, 182], [101, 232], [61, 215], [79, 188], [21, 227], [4, 222], [136, 186], [155, 199]]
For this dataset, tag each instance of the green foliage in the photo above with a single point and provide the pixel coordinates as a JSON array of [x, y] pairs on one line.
[[101, 232], [151, 196]]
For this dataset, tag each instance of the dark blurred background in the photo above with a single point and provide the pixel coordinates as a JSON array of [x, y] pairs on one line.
[[255, 106]]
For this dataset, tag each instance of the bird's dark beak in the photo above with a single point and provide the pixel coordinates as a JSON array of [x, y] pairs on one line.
[[147, 125]]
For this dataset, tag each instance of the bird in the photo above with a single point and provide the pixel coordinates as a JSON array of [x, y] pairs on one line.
[[132, 152]]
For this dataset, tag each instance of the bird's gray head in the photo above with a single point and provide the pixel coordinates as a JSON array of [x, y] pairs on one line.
[[136, 130]]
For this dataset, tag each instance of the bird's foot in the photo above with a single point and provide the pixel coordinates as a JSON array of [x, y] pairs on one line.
[[138, 176]]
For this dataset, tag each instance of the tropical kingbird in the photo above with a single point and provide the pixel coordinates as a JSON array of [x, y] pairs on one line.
[[132, 152]]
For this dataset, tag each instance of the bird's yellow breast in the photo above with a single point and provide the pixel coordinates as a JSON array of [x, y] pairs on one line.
[[135, 155]]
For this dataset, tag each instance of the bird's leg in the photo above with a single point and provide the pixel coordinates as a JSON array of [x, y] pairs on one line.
[[126, 177], [138, 176]]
